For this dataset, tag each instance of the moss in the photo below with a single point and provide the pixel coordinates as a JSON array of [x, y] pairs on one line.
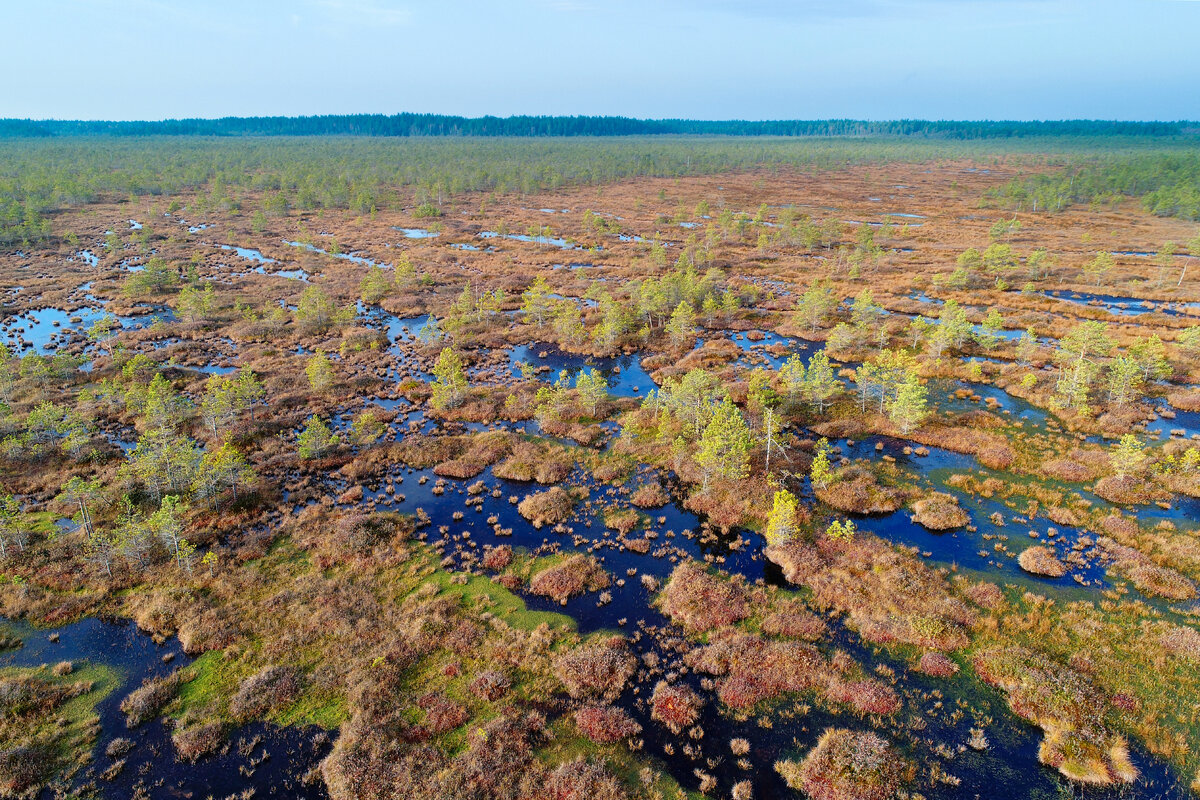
[[64, 728]]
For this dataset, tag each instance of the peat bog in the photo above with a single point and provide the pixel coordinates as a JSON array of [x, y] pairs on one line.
[[831, 468]]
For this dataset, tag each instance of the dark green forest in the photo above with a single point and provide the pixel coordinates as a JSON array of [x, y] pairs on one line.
[[443, 125]]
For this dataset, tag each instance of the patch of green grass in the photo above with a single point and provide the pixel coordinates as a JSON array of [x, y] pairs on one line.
[[215, 680], [566, 745], [482, 593], [69, 730]]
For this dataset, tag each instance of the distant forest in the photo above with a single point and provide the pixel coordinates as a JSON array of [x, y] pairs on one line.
[[526, 126]]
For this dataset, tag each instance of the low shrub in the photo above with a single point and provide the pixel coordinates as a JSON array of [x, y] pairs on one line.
[[700, 601], [573, 576], [145, 702], [193, 742], [269, 689], [675, 706], [606, 724], [846, 765], [599, 669], [547, 508]]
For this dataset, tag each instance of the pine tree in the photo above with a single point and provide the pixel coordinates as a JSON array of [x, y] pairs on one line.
[[450, 381], [366, 428], [841, 531], [568, 323], [814, 306], [1150, 356], [1124, 381], [791, 377], [864, 313], [1100, 266], [316, 439], [102, 332], [12, 531], [1076, 360], [725, 445], [910, 404], [319, 370], [1128, 456], [536, 301], [781, 523], [682, 327], [592, 388], [375, 285], [1027, 347], [820, 384], [821, 472], [988, 333], [223, 469]]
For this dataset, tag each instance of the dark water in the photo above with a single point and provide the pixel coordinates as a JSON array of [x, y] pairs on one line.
[[1124, 306], [151, 766], [1011, 760]]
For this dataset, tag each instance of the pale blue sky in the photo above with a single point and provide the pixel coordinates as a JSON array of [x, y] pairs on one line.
[[709, 59]]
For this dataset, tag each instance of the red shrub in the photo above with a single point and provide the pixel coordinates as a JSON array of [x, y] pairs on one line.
[[491, 685], [606, 724], [498, 558], [675, 706], [937, 665], [700, 601], [596, 670]]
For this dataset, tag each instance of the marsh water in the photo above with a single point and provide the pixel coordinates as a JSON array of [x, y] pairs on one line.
[[1009, 762], [265, 759]]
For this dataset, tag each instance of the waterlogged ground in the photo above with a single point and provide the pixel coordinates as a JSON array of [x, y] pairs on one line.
[[347, 330], [259, 757]]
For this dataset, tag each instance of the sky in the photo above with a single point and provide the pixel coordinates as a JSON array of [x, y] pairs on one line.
[[700, 59]]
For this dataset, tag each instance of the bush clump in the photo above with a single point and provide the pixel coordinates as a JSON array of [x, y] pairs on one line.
[[674, 705], [269, 689], [600, 669], [196, 741], [939, 512], [700, 601], [145, 702], [1064, 705], [606, 724], [846, 765], [574, 576], [1041, 560], [547, 508]]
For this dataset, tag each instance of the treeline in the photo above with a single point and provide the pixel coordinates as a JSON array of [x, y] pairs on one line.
[[444, 125], [1167, 183]]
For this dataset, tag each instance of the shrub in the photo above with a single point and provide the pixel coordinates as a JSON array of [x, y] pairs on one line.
[[792, 620], [939, 512], [574, 576], [700, 601], [1064, 705], [596, 670], [675, 706], [549, 507], [497, 558], [1040, 560], [145, 702], [846, 765], [22, 767], [606, 724], [269, 689], [649, 495], [580, 780], [490, 685], [937, 665], [196, 741]]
